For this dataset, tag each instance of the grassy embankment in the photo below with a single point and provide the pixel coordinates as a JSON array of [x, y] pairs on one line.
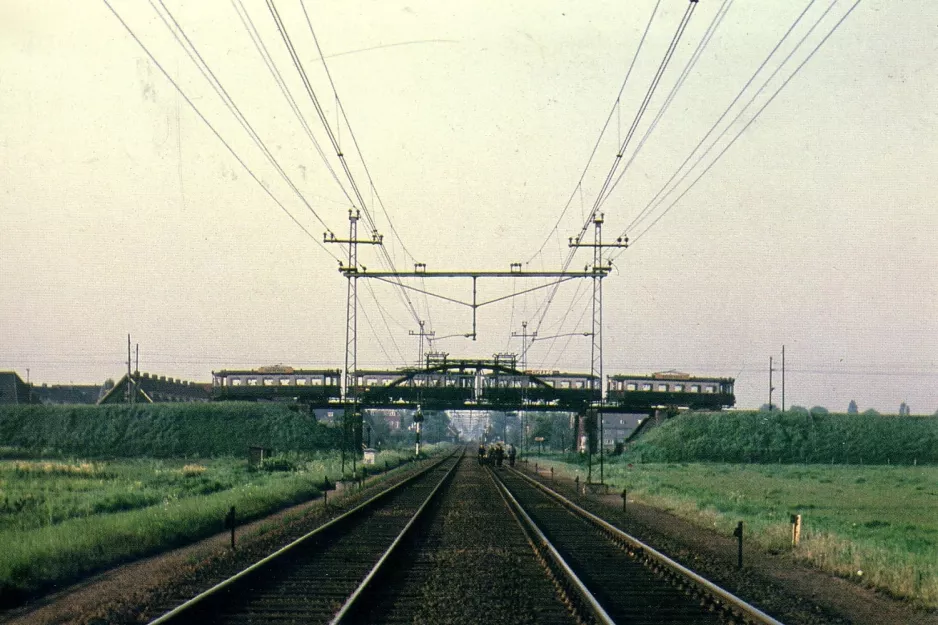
[[877, 525], [88, 508]]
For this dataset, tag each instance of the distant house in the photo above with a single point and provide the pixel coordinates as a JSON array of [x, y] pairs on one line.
[[13, 390], [153, 389], [67, 393]]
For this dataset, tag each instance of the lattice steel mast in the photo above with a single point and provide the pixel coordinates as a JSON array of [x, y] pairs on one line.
[[351, 271], [599, 270]]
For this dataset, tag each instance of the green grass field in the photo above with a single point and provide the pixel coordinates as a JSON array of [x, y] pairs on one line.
[[61, 519], [877, 525]]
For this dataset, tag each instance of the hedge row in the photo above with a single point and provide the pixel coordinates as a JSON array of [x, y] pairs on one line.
[[162, 430], [791, 437]]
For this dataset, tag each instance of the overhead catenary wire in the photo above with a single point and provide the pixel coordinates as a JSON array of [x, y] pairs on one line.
[[756, 116], [271, 65], [195, 56], [217, 134], [334, 140], [652, 203], [602, 132], [649, 94], [688, 68]]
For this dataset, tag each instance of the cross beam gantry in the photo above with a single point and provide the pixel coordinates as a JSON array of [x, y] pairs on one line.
[[515, 271]]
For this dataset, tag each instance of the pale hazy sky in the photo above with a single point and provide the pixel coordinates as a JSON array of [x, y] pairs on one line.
[[122, 212]]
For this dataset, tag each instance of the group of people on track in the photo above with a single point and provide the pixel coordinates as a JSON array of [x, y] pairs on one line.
[[495, 454]]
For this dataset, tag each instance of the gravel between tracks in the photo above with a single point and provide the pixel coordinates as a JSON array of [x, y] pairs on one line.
[[471, 563]]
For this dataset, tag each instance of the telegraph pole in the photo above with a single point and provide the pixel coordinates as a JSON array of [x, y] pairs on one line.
[[351, 272], [771, 388], [783, 378], [131, 387], [599, 271]]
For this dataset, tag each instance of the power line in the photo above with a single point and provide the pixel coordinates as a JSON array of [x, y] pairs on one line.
[[688, 67], [261, 48], [602, 132], [758, 113], [752, 78], [229, 102], [215, 132]]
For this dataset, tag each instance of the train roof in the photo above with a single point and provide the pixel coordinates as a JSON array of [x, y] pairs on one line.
[[277, 371], [658, 377]]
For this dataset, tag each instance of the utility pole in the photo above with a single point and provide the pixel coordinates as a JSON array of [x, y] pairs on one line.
[[599, 271], [783, 378], [771, 388], [131, 387], [421, 334], [351, 271]]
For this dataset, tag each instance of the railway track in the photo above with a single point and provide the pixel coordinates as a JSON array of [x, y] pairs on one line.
[[631, 581], [466, 546], [309, 580]]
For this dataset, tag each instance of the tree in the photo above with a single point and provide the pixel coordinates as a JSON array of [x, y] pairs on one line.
[[852, 408], [819, 410], [766, 408], [904, 410], [870, 412], [799, 410]]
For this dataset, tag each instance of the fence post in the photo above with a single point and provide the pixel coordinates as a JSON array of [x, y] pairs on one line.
[[624, 496], [738, 533], [230, 524], [795, 529]]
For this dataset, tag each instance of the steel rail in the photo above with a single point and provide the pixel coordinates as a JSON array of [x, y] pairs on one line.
[[352, 602], [599, 613], [732, 600], [203, 596]]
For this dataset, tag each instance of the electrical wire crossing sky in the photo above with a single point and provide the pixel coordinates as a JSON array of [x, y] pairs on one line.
[[181, 172]]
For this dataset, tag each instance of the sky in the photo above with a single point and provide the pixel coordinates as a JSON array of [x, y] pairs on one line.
[[122, 211]]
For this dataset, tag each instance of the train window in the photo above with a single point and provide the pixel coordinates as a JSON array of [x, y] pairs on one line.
[[316, 381], [678, 388], [646, 386], [252, 381], [565, 384], [285, 381], [268, 381], [662, 388], [709, 389], [302, 381], [549, 383], [694, 388], [235, 381], [631, 386]]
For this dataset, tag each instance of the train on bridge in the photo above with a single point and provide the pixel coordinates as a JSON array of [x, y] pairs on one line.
[[462, 384]]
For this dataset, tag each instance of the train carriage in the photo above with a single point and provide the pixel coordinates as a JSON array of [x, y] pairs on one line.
[[671, 388], [277, 383]]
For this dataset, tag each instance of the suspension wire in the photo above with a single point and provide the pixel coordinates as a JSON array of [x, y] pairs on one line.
[[762, 108], [367, 212], [648, 207], [553, 341], [384, 317], [688, 68], [377, 338], [341, 108], [649, 94], [261, 48], [688, 13], [602, 132], [545, 304], [216, 133], [226, 98]]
